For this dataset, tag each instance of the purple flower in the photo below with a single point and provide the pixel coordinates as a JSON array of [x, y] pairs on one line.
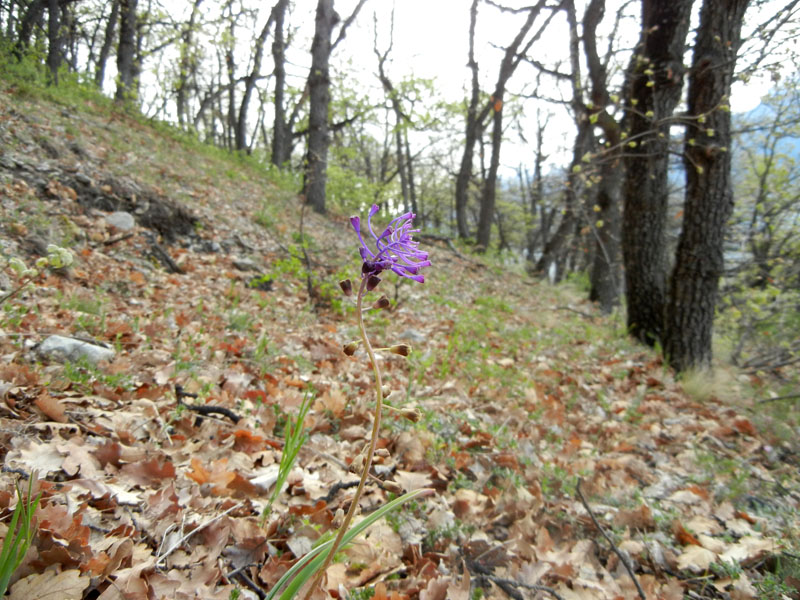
[[394, 248]]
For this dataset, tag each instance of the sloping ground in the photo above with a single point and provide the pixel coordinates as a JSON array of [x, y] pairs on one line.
[[541, 421]]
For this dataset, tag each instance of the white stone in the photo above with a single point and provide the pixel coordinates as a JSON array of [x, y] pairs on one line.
[[122, 220], [59, 347]]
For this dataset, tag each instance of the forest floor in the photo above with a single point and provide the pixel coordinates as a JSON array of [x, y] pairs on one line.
[[554, 445]]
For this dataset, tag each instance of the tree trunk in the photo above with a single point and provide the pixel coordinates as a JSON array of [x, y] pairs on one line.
[[32, 14], [54, 40], [471, 134], [187, 66], [606, 274], [126, 68], [655, 82], [315, 175], [250, 83], [709, 199], [489, 195], [281, 135], [108, 43]]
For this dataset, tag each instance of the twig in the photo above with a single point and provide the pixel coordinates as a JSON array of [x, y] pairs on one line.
[[616, 550], [776, 398], [244, 578], [203, 409], [581, 313], [180, 542], [163, 256], [118, 238], [527, 586]]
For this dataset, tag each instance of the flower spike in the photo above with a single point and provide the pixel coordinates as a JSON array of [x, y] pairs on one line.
[[395, 250]]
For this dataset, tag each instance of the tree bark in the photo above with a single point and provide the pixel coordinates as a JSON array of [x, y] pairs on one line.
[[32, 14], [108, 43], [606, 272], [281, 134], [316, 163], [54, 40], [250, 83], [709, 199], [126, 50], [655, 82]]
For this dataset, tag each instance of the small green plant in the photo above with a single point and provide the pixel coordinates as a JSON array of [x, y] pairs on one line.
[[57, 258], [20, 533], [364, 593], [294, 438]]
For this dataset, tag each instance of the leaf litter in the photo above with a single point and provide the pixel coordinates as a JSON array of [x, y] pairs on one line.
[[144, 497]]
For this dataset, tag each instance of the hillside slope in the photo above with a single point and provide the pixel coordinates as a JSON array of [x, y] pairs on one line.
[[535, 410]]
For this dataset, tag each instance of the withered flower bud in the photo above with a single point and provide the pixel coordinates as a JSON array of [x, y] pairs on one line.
[[393, 487], [401, 349], [372, 282], [338, 518], [350, 348], [382, 303], [347, 287], [412, 414], [358, 464]]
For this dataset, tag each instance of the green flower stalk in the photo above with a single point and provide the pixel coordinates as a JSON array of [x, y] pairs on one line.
[[395, 250]]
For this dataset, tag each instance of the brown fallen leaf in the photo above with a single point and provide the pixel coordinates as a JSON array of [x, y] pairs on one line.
[[696, 559], [51, 407], [50, 585], [683, 537], [436, 589]]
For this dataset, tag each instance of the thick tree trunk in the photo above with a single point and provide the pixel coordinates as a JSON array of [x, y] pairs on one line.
[[315, 175], [655, 80], [281, 135], [709, 199], [54, 40], [126, 52], [606, 274]]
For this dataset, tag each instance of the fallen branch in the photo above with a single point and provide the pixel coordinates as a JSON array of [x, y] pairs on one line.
[[616, 550]]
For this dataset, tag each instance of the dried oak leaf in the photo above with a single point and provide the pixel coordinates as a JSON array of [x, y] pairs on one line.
[[150, 472], [683, 537], [67, 585], [51, 407], [638, 518]]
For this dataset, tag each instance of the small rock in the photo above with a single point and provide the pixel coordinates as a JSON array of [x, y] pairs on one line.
[[83, 178], [62, 348], [121, 220], [245, 264]]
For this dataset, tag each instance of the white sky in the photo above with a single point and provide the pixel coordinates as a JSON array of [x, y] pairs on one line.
[[431, 41]]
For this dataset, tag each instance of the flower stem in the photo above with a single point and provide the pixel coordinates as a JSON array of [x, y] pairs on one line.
[[376, 427]]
